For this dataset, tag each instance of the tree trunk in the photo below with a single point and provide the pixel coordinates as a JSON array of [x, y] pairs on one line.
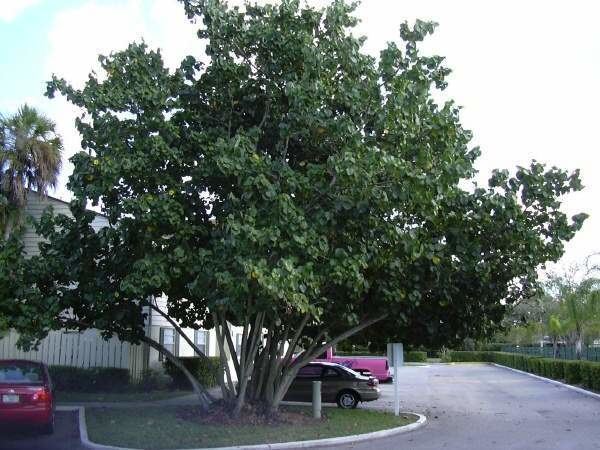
[[579, 346], [281, 376], [225, 380], [250, 341], [204, 398], [554, 347], [179, 330]]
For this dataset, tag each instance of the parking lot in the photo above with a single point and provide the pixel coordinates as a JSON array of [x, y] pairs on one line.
[[468, 406], [477, 406], [65, 437]]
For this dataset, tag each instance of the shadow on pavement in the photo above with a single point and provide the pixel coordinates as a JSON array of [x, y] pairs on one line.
[[65, 436]]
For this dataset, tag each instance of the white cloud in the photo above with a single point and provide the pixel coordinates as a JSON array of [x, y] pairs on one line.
[[11, 9]]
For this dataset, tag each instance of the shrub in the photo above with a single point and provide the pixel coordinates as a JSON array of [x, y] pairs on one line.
[[585, 372], [520, 362], [558, 369], [414, 356], [595, 377], [548, 370], [468, 345], [206, 370], [490, 347], [465, 356], [573, 372], [433, 353], [93, 379], [534, 365], [154, 380]]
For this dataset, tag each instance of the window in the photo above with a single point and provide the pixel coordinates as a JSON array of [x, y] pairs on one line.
[[310, 371], [168, 339], [201, 340], [21, 372], [330, 373]]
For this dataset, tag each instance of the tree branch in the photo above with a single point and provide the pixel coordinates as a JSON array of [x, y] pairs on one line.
[[179, 329]]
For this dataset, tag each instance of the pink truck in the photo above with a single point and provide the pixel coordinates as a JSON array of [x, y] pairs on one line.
[[378, 366]]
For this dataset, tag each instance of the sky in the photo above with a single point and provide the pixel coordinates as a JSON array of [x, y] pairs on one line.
[[527, 74]]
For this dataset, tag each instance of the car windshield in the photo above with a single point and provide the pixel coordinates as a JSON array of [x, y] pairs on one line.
[[20, 372]]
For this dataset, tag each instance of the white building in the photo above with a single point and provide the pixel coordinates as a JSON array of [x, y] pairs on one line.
[[88, 349]]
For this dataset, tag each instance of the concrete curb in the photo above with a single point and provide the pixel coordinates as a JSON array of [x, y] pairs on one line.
[[551, 381], [83, 434], [421, 421]]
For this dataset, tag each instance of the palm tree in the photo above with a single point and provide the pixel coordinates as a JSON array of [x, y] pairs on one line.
[[555, 329], [579, 298], [30, 158]]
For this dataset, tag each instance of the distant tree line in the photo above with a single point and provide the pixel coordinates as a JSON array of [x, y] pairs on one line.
[[566, 312]]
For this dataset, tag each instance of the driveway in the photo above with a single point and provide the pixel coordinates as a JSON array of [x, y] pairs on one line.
[[470, 406], [476, 406], [65, 437]]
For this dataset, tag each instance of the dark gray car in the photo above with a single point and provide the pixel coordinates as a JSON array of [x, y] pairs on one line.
[[338, 384]]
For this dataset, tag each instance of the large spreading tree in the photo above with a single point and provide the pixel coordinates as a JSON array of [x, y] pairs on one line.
[[292, 185]]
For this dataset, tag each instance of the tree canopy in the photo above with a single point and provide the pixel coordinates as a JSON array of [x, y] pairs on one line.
[[291, 184]]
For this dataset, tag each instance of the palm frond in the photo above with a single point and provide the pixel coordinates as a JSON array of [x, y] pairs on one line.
[[30, 155]]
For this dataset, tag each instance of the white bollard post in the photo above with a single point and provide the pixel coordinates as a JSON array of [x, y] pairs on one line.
[[316, 399], [398, 359]]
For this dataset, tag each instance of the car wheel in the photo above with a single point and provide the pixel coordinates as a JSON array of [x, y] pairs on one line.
[[347, 399], [49, 427]]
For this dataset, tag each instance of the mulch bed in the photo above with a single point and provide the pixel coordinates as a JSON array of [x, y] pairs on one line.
[[219, 414]]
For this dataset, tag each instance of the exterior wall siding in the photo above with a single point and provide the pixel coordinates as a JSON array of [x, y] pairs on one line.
[[85, 349], [35, 207], [88, 349]]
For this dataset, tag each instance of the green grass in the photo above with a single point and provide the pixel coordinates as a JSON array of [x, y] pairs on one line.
[[160, 428], [82, 397]]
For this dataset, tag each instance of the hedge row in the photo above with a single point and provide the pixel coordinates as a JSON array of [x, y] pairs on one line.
[[108, 379], [415, 356], [584, 373], [93, 379], [206, 371]]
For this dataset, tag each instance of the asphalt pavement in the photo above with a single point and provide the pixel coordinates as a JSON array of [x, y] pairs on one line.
[[470, 406], [65, 437], [477, 406]]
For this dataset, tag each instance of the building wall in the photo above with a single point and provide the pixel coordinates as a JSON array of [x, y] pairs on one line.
[[69, 348], [88, 349], [157, 322], [35, 207]]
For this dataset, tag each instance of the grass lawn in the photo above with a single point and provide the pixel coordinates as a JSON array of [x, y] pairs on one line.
[[79, 397], [165, 428]]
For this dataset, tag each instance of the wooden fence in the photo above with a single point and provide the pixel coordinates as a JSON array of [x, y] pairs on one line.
[[85, 349]]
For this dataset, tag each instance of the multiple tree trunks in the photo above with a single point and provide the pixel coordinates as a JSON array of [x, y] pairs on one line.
[[266, 366]]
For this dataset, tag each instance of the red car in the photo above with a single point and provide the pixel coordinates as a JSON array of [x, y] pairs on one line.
[[26, 395]]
